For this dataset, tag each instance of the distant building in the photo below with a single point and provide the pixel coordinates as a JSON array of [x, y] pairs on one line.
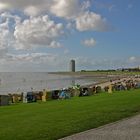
[[72, 65]]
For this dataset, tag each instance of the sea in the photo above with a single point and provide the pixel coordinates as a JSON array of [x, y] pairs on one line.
[[16, 82]]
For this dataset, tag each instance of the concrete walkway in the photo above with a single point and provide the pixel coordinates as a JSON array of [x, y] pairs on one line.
[[127, 129]]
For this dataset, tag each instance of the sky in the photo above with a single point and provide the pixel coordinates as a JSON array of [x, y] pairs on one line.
[[44, 35]]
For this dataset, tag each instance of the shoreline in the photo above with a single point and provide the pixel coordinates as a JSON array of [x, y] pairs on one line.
[[133, 78], [101, 82], [113, 81]]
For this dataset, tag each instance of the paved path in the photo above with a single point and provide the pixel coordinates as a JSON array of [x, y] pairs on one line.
[[127, 129]]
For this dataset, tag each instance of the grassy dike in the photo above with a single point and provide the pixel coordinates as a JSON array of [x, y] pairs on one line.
[[56, 119]]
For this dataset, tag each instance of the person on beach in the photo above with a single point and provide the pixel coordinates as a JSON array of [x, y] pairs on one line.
[[44, 95], [110, 88], [84, 92], [62, 94]]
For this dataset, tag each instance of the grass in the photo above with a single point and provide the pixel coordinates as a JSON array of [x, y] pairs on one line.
[[56, 119]]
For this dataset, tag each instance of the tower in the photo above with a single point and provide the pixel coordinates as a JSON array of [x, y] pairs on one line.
[[72, 65]]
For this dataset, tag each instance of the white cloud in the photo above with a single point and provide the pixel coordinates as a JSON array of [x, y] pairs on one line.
[[69, 9], [78, 11], [5, 36], [29, 62], [3, 6], [55, 44], [132, 59], [32, 58], [94, 63], [37, 6], [60, 8], [90, 21], [25, 33], [31, 11], [86, 4], [30, 33], [33, 62], [75, 10], [37, 31], [89, 42], [8, 16], [70, 26], [65, 8]]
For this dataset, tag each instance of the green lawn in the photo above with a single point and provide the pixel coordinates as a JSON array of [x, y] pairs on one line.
[[56, 119]]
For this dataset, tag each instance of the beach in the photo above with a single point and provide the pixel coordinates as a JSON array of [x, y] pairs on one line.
[[17, 82], [22, 82]]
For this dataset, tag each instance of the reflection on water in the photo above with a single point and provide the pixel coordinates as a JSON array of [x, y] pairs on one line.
[[13, 82], [73, 82]]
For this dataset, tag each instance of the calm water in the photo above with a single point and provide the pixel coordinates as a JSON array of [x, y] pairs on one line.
[[13, 82]]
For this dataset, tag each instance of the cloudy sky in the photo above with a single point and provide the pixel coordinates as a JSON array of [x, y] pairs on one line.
[[44, 35]]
